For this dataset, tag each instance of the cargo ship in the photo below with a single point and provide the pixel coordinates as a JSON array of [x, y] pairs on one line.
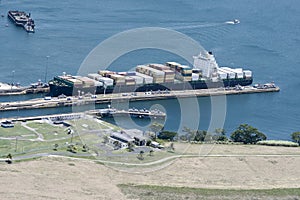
[[204, 74], [23, 19]]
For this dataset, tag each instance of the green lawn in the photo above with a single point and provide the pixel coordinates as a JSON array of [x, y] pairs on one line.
[[18, 130], [87, 125], [49, 131]]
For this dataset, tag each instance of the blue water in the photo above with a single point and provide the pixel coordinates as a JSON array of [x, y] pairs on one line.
[[266, 41]]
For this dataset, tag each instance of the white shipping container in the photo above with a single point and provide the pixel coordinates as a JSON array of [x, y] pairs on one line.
[[238, 71], [195, 77], [106, 81], [248, 73], [147, 79], [230, 73], [222, 75], [138, 80], [98, 83]]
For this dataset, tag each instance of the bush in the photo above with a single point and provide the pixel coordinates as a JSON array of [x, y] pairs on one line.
[[278, 143], [167, 135], [296, 137]]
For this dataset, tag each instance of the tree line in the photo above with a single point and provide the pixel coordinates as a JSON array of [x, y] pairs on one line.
[[244, 133]]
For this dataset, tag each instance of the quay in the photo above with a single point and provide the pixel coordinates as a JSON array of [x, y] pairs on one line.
[[109, 112], [52, 102]]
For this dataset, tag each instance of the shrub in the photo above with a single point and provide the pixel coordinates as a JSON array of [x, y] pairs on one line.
[[278, 143]]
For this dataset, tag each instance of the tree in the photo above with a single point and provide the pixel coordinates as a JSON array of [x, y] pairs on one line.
[[247, 134], [55, 146], [172, 146], [151, 152], [156, 128], [167, 135], [220, 135], [141, 155], [85, 148], [130, 146], [105, 139], [9, 158], [200, 135], [296, 137], [190, 134], [72, 148], [116, 144]]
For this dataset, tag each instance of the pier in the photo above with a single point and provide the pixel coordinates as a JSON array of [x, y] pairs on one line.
[[135, 96], [142, 113]]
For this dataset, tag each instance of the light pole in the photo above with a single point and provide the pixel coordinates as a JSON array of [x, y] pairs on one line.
[[12, 79], [16, 146], [47, 57]]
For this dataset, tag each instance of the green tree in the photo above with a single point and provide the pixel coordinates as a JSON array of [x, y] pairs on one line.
[[296, 137], [156, 128], [130, 146], [167, 135], [247, 134], [55, 146], [85, 148], [9, 159], [172, 147], [190, 134], [200, 135], [105, 139], [151, 152], [141, 155], [219, 135]]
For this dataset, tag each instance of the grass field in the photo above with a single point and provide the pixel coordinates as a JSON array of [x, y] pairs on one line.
[[41, 136], [49, 131], [18, 130], [147, 192]]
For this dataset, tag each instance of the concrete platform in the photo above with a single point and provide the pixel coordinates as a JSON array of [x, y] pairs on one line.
[[137, 96]]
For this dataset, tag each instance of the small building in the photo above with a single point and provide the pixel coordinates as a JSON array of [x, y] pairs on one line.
[[7, 124], [138, 136], [121, 139]]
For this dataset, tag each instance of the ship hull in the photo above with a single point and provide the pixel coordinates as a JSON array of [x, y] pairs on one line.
[[56, 90]]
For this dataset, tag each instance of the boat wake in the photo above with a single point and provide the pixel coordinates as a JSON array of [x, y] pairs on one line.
[[192, 26]]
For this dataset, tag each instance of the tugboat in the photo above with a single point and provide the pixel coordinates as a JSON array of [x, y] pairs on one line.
[[21, 18]]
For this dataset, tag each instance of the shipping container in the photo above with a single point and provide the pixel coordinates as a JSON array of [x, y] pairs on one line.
[[147, 79], [248, 73], [230, 74], [138, 80], [105, 73], [195, 77], [160, 67], [106, 81]]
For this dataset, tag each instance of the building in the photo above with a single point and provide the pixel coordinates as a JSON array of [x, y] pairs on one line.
[[120, 139]]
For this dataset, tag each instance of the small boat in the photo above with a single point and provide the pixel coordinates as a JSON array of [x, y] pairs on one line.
[[235, 21]]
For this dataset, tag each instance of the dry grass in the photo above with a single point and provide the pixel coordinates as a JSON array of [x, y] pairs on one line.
[[63, 178]]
